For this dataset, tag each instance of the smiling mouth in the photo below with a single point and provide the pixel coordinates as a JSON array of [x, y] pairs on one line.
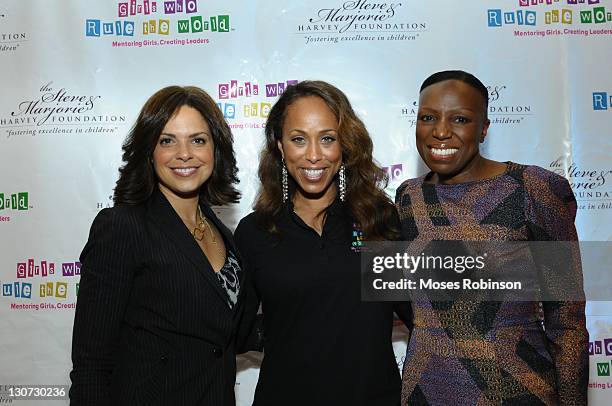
[[184, 171], [443, 153], [313, 174]]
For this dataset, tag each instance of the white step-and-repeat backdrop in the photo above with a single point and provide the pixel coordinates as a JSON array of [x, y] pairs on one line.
[[74, 74]]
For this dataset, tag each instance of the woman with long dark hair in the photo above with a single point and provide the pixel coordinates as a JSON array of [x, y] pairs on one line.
[[320, 198], [160, 293]]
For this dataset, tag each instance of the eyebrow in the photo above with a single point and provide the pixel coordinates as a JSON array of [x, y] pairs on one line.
[[190, 135], [320, 132], [453, 109]]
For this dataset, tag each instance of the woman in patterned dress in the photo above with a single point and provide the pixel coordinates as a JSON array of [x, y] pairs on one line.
[[472, 352]]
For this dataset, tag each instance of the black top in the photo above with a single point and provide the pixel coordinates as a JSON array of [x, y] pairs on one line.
[[323, 346]]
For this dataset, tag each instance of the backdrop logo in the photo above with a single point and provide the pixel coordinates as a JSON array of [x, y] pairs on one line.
[[355, 14], [497, 18], [602, 101], [595, 347], [560, 18], [17, 289], [51, 105], [395, 172], [24, 290], [603, 369], [105, 204], [59, 111], [234, 90], [410, 112], [44, 268], [505, 111], [14, 201], [42, 277], [248, 100], [502, 108], [58, 290], [160, 19], [361, 20], [9, 42], [607, 343], [591, 186]]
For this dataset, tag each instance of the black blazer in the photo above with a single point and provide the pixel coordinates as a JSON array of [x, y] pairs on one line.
[[152, 324]]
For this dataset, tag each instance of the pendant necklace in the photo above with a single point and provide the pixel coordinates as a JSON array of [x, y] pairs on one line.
[[201, 226]]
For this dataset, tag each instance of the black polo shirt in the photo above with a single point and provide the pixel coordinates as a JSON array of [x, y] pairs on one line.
[[323, 345]]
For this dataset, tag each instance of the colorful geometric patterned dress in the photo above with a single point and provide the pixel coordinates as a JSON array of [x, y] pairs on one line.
[[468, 352]]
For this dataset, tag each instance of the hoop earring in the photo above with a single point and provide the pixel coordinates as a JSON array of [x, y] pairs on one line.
[[285, 182], [342, 182]]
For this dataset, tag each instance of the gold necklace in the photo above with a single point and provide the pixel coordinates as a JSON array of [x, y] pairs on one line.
[[201, 226]]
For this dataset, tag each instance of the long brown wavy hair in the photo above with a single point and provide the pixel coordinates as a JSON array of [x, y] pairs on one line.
[[365, 198], [137, 179]]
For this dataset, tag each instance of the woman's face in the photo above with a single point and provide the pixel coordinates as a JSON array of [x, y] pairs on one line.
[[311, 148], [450, 126], [184, 155]]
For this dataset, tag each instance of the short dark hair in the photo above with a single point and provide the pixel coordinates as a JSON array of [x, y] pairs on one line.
[[462, 76], [137, 179]]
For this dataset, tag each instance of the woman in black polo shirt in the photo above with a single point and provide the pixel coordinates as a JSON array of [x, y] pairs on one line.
[[320, 195]]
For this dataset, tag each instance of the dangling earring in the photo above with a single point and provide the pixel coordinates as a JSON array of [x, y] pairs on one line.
[[285, 182], [342, 181]]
